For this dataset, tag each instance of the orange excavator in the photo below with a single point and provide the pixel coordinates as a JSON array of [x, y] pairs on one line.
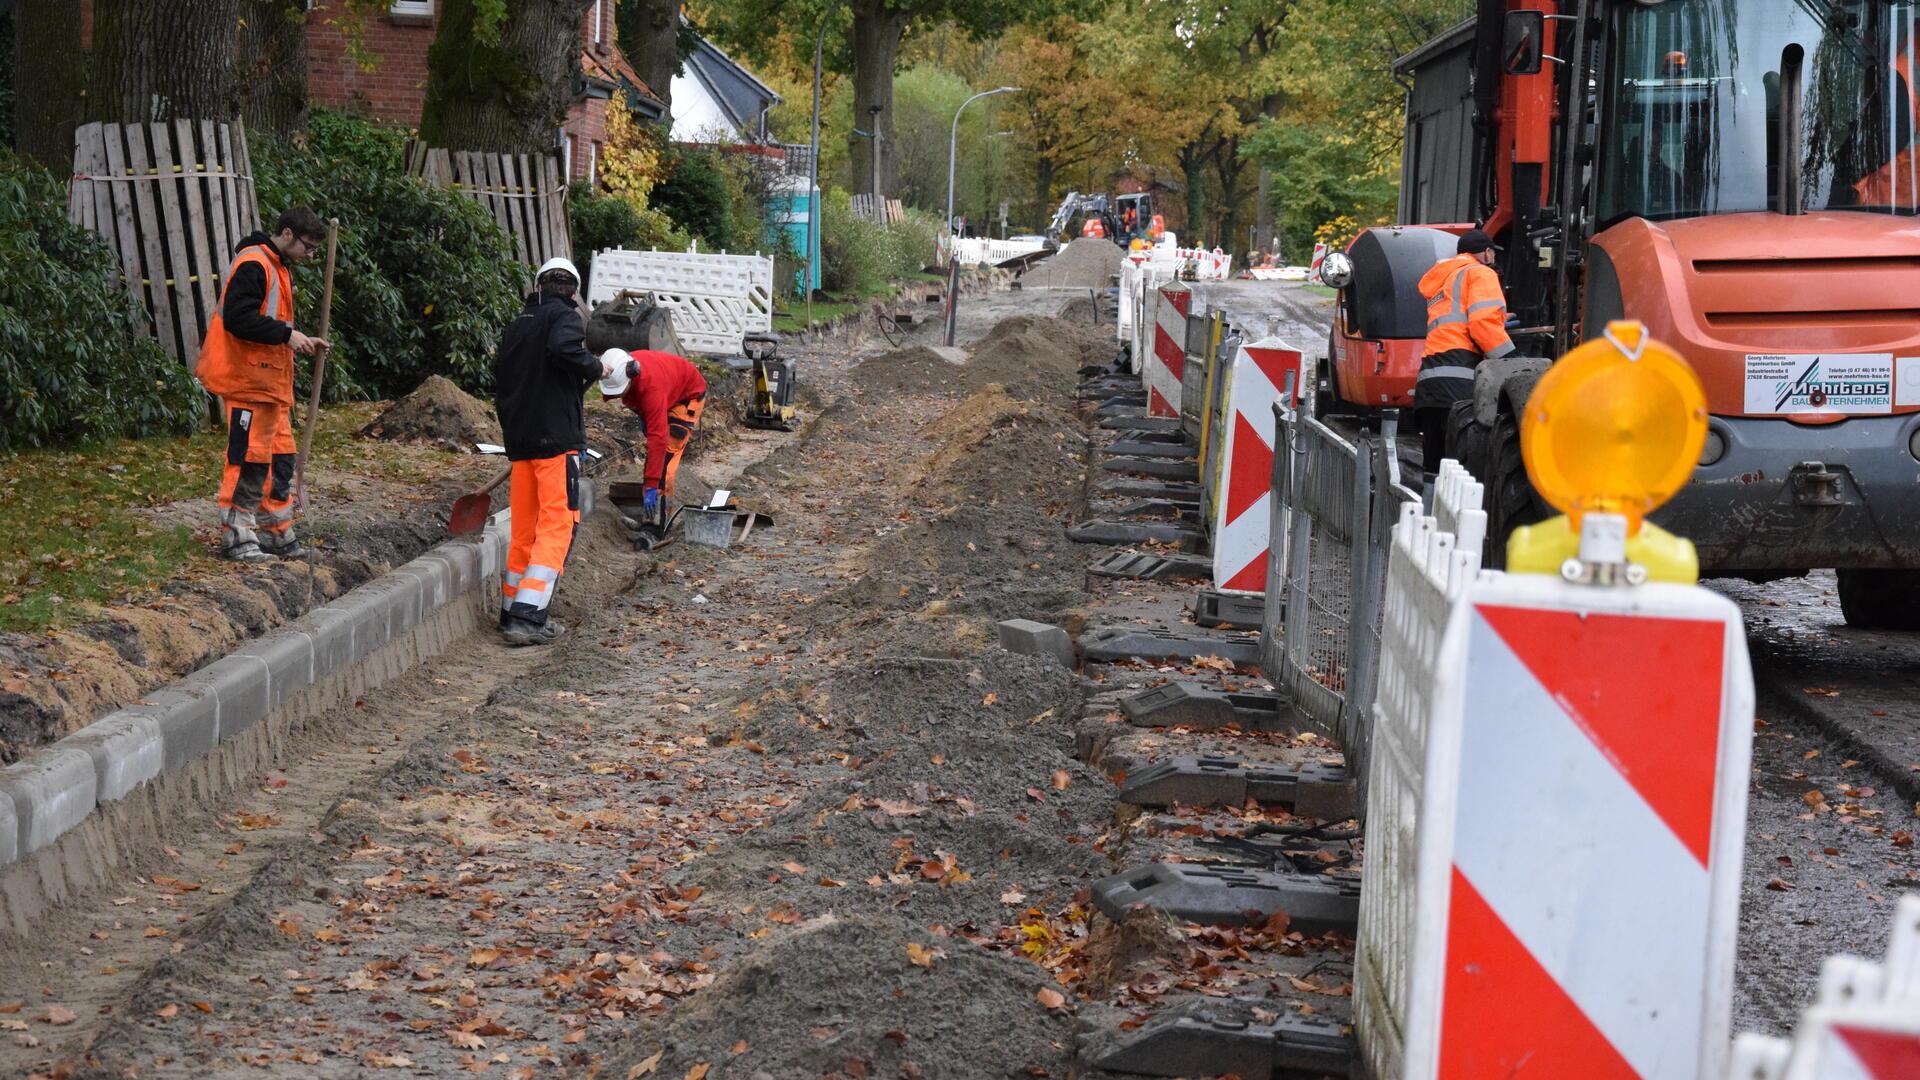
[[1740, 176]]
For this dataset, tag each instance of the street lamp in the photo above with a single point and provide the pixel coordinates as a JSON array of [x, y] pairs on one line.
[[953, 140]]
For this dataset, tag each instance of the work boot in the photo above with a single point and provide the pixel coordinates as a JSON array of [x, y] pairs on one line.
[[519, 632], [245, 552], [292, 549]]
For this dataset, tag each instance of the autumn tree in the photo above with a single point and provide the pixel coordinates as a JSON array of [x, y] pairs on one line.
[[500, 73], [154, 61], [1068, 112], [869, 33], [49, 79], [654, 42], [271, 64]]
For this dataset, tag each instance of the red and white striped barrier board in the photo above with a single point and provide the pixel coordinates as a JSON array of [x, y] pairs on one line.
[[1863, 1025], [1243, 510], [1167, 359], [1580, 833], [1319, 256]]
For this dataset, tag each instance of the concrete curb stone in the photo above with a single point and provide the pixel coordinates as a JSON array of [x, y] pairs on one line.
[[331, 633], [52, 791], [239, 681], [189, 718], [288, 656], [127, 750]]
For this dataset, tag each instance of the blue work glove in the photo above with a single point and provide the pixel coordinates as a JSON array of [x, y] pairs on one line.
[[650, 502]]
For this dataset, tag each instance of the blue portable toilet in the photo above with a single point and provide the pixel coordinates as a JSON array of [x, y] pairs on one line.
[[794, 202]]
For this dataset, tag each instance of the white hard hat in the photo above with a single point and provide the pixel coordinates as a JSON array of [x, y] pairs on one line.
[[558, 263], [615, 384]]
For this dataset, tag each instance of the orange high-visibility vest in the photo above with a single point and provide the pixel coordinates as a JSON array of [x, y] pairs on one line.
[[232, 368], [1466, 308], [1897, 183]]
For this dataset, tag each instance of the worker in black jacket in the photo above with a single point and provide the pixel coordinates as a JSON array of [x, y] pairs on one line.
[[540, 373]]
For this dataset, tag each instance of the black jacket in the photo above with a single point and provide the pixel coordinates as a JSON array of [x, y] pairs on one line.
[[240, 312], [539, 374]]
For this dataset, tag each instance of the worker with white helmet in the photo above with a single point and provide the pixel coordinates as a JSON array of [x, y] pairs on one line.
[[540, 373]]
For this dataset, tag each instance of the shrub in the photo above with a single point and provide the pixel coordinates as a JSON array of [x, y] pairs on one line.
[[607, 221], [697, 195], [76, 359], [861, 257], [425, 280]]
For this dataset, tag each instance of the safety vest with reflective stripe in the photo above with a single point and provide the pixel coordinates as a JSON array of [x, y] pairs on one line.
[[1466, 309], [241, 370]]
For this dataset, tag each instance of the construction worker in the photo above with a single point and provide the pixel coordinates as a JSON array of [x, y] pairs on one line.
[[247, 362], [540, 373], [668, 394], [1466, 322]]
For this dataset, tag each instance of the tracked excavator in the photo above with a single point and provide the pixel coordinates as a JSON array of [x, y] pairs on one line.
[[1741, 177]]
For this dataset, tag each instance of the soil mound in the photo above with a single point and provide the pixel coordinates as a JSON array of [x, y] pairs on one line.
[[915, 369], [1088, 263], [1080, 309], [1038, 357], [844, 997], [437, 413]]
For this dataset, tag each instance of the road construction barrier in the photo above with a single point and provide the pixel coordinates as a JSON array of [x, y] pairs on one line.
[[981, 250], [1140, 281], [1571, 795], [1320, 252], [716, 300], [1253, 384], [1864, 1023], [1166, 358], [1334, 502]]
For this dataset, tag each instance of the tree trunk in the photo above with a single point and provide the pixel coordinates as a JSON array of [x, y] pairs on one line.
[[1193, 167], [272, 65], [508, 95], [49, 77], [876, 45], [1231, 170], [1043, 188], [649, 33], [171, 61]]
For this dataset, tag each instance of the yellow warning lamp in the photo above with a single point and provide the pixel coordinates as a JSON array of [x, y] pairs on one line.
[[1612, 431]]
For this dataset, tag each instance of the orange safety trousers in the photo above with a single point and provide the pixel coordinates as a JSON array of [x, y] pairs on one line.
[[256, 487], [682, 421], [544, 495]]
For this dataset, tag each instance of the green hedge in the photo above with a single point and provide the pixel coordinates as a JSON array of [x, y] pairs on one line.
[[599, 222], [425, 280], [861, 257], [77, 361]]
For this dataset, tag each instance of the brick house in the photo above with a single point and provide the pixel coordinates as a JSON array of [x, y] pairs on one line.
[[395, 90]]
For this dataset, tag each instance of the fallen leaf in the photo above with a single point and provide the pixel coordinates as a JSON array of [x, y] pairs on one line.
[[1013, 896], [60, 1015], [204, 1006], [920, 955], [645, 1068], [990, 699], [739, 1048], [167, 1011], [1061, 779], [1902, 839], [698, 1072], [1051, 998], [467, 1040], [577, 1035], [1779, 885]]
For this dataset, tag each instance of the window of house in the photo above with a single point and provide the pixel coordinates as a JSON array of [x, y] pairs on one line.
[[413, 9]]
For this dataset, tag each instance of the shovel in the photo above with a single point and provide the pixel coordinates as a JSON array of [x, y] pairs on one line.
[[470, 511]]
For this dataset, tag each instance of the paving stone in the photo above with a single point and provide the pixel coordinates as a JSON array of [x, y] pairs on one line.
[[1234, 896], [1037, 639], [52, 791], [126, 748], [1254, 1040]]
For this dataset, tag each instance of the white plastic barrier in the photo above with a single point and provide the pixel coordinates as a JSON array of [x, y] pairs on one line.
[[1574, 782], [1140, 281], [716, 300], [1259, 371], [980, 250], [1863, 1025]]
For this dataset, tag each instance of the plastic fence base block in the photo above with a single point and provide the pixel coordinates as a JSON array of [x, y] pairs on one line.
[[1142, 448], [1233, 896], [1131, 643], [1149, 489], [1237, 610], [1126, 401], [1102, 531], [1313, 790], [1141, 566], [1254, 1040], [1163, 509], [1140, 422], [1189, 705], [1158, 467]]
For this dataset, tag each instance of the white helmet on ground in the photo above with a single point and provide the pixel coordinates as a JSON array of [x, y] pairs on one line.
[[559, 263], [615, 384]]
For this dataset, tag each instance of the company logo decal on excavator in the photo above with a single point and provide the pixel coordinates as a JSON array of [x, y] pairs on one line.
[[1785, 385]]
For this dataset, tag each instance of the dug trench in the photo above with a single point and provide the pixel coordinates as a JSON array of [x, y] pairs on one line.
[[783, 810]]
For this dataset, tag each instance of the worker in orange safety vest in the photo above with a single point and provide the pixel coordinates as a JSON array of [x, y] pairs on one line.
[[1466, 322], [247, 362]]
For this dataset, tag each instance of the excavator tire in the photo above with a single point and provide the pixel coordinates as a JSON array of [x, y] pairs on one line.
[[1880, 599], [1510, 499]]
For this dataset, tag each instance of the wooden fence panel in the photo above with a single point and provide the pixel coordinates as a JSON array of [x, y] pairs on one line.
[[524, 194], [170, 201]]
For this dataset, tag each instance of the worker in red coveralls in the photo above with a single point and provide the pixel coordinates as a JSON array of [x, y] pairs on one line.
[[668, 393]]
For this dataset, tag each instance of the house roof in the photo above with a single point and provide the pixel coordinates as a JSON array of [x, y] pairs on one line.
[[609, 66], [743, 97]]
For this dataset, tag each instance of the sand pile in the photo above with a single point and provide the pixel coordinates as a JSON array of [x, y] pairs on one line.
[[1088, 263], [912, 370], [437, 413]]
